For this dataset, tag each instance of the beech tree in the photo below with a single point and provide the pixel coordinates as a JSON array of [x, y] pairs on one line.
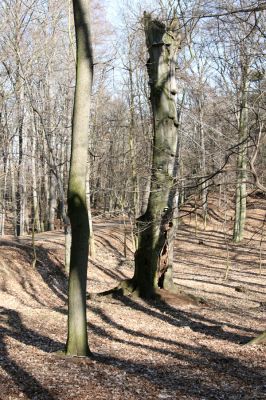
[[153, 261], [77, 341]]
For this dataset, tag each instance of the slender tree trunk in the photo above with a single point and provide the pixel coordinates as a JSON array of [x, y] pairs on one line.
[[13, 193], [132, 144], [36, 217], [204, 187], [20, 192], [166, 278], [77, 341], [91, 234], [3, 198], [45, 178], [156, 225], [241, 186], [52, 201]]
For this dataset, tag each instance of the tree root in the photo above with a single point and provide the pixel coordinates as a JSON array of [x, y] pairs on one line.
[[172, 294], [261, 339], [123, 289]]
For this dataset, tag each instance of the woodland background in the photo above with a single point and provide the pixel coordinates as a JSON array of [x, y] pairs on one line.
[[221, 59]]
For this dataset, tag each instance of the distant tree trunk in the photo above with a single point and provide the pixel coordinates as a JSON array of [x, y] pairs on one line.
[[3, 198], [155, 227], [36, 217], [132, 144], [88, 198], [145, 195], [20, 192], [52, 200], [77, 341], [166, 278], [241, 186], [44, 210], [13, 194], [204, 186]]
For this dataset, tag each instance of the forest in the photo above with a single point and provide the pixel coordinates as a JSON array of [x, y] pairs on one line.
[[132, 199]]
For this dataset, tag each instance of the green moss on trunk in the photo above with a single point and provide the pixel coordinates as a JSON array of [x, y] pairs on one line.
[[154, 227]]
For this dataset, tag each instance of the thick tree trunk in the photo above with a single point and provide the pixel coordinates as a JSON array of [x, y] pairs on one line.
[[77, 341], [156, 225], [241, 186]]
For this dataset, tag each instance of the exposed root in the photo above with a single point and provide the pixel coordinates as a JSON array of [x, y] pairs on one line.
[[173, 294], [261, 339], [125, 288], [179, 297], [64, 354]]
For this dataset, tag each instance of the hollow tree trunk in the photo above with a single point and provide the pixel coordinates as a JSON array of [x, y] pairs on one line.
[[156, 225], [77, 341]]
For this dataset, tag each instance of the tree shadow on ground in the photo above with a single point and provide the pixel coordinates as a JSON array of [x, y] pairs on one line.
[[12, 326], [107, 243], [164, 312], [52, 272], [200, 361], [117, 275]]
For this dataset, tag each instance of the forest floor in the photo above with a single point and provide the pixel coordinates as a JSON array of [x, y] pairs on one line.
[[140, 349]]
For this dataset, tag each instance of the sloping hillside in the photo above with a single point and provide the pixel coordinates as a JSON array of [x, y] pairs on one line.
[[151, 350]]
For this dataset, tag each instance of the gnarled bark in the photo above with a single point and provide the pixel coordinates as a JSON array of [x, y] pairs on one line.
[[156, 226]]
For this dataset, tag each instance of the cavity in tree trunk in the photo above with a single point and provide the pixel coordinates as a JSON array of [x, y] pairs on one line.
[[156, 226], [77, 341]]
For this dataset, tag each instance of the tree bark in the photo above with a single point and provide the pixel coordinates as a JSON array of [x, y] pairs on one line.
[[77, 341], [155, 227]]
